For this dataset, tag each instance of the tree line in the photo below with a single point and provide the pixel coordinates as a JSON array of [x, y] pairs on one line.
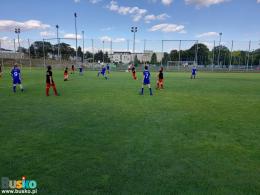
[[218, 55]]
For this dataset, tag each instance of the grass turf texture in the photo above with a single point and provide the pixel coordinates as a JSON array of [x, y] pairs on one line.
[[195, 137]]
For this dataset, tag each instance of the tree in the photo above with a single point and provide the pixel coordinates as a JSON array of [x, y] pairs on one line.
[[80, 53], [36, 49], [66, 51], [136, 61], [154, 59], [99, 56], [88, 55], [174, 55], [166, 58], [224, 56], [202, 53]]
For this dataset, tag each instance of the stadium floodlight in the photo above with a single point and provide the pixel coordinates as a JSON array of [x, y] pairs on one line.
[[58, 41], [76, 32], [18, 31], [134, 30], [220, 38]]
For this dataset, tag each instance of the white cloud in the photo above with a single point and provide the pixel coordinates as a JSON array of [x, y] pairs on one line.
[[105, 38], [94, 1], [72, 36], [8, 43], [47, 34], [135, 12], [119, 40], [4, 38], [76, 1], [109, 39], [204, 3], [208, 34], [258, 1], [168, 28], [152, 17], [10, 25], [167, 2]]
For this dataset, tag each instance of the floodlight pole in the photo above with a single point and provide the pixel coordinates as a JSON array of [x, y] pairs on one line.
[[179, 55], [248, 55], [231, 55], [252, 59], [103, 42], [14, 51], [76, 32], [134, 30], [163, 55], [92, 44], [220, 38], [29, 54], [196, 52], [18, 31], [43, 49], [213, 55], [83, 37]]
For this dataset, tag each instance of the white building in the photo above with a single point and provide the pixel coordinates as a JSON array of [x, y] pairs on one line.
[[11, 55], [127, 57]]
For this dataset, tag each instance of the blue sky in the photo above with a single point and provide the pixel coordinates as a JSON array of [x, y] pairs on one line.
[[156, 19]]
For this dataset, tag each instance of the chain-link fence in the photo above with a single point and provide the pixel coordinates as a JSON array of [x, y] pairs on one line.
[[173, 54]]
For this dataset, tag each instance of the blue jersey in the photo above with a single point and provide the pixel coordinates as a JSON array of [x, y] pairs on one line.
[[147, 75], [16, 74], [103, 71], [108, 67], [194, 70]]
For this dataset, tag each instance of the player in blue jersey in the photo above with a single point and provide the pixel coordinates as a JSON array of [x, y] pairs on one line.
[[16, 75], [81, 70], [193, 72], [146, 80], [103, 72]]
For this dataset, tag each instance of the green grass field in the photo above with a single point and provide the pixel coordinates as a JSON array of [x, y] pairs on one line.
[[100, 137]]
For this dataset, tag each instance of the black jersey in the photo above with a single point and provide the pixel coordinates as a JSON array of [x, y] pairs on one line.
[[49, 76], [160, 75]]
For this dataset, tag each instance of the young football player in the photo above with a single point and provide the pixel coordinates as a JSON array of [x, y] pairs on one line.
[[66, 74], [193, 72], [49, 82], [133, 72], [72, 69], [81, 70], [103, 72], [16, 75], [146, 80], [160, 79]]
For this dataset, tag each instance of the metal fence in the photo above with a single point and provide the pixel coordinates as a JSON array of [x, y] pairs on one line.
[[61, 52]]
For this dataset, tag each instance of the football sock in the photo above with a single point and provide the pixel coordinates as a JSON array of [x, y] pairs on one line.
[[151, 93], [14, 88]]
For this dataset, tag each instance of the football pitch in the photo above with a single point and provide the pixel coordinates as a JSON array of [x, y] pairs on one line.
[[101, 137]]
